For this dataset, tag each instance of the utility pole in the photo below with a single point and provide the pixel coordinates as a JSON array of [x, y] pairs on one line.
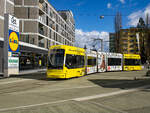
[[101, 41]]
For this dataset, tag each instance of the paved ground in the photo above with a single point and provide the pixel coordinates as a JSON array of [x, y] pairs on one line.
[[112, 92]]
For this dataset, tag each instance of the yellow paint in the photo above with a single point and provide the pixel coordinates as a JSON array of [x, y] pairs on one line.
[[132, 68], [131, 56]]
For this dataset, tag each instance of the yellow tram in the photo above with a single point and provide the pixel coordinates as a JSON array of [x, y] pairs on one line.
[[68, 62], [65, 62]]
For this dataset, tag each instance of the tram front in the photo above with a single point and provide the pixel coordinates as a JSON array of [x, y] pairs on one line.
[[56, 63]]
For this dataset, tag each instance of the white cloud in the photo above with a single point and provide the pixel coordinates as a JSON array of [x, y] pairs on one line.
[[109, 5], [147, 10], [86, 38], [134, 17], [122, 1]]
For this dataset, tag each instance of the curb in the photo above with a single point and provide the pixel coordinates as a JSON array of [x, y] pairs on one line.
[[142, 78]]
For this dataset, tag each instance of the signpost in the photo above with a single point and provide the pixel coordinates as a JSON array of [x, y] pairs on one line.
[[11, 45]]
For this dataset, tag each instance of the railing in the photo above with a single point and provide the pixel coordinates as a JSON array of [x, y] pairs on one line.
[[42, 7], [42, 19]]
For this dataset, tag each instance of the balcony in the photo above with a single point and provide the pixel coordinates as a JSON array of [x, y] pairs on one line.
[[41, 31], [42, 19], [41, 42], [42, 7]]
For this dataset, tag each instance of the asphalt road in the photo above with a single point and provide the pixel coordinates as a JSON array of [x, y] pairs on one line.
[[111, 92]]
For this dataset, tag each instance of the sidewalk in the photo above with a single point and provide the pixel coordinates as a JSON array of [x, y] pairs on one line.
[[26, 72], [31, 71]]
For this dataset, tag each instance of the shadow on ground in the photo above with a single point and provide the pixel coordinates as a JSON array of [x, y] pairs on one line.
[[35, 76], [122, 84]]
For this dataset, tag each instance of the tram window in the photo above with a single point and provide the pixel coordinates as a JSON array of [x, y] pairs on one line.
[[70, 61], [92, 61], [132, 62], [114, 61], [80, 61], [74, 61], [56, 59]]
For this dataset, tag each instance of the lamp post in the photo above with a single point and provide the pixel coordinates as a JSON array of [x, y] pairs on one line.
[[118, 26]]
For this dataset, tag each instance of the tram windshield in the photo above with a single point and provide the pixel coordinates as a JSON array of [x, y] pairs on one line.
[[56, 59]]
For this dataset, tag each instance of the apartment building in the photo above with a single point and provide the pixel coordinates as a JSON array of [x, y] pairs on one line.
[[6, 6], [41, 26], [128, 41], [144, 35], [112, 42], [135, 41]]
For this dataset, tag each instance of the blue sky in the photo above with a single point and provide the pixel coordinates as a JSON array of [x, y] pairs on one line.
[[86, 12], [90, 26]]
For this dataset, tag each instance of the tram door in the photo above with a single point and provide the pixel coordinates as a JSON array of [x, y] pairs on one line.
[[101, 62]]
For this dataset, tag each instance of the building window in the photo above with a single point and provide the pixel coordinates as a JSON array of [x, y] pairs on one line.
[[131, 46], [125, 45], [22, 38], [47, 44], [56, 27], [132, 36], [47, 21], [131, 40], [132, 51], [27, 38], [28, 12], [32, 40], [41, 42], [50, 34]]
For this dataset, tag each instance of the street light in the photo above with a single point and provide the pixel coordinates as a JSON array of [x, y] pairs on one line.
[[101, 17], [118, 26]]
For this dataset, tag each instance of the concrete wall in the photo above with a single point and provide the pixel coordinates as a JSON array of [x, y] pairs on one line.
[[10, 8], [2, 4], [18, 2], [31, 2], [30, 26], [26, 13], [26, 2], [1, 28]]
